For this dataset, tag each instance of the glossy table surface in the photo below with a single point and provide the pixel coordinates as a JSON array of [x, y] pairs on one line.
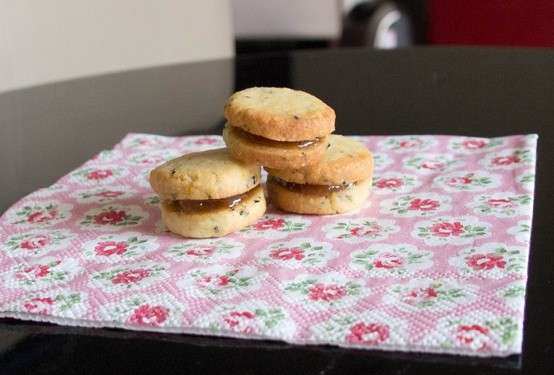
[[46, 131]]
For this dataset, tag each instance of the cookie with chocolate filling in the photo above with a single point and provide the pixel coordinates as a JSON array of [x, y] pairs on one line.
[[208, 194], [338, 183], [277, 127]]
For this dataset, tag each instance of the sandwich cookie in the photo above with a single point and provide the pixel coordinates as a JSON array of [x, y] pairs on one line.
[[339, 183], [277, 127], [208, 194]]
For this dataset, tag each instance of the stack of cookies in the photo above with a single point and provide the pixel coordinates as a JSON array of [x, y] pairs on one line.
[[288, 132]]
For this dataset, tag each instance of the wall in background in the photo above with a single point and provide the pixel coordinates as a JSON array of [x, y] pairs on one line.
[[287, 19], [50, 40]]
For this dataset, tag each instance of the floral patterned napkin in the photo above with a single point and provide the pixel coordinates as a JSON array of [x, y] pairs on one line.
[[436, 261]]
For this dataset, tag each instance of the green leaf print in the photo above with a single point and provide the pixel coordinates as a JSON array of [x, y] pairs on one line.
[[352, 289], [299, 286], [454, 293], [58, 276], [515, 291], [243, 281], [66, 302]]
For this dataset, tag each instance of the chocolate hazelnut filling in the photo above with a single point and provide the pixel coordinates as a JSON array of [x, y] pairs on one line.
[[197, 205], [309, 188], [271, 143]]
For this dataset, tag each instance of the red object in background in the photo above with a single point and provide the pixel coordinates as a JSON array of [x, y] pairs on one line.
[[491, 22]]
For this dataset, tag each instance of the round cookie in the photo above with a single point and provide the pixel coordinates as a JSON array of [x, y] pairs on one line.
[[319, 204], [272, 154], [344, 160], [212, 174], [214, 223], [280, 114]]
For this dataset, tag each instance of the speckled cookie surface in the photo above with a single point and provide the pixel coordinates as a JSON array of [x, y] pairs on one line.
[[272, 154], [214, 223], [212, 174], [319, 204], [344, 160], [280, 113]]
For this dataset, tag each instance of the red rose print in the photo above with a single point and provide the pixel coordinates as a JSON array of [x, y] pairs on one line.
[[388, 261], [107, 248], [215, 280], [420, 294], [128, 277], [423, 204], [35, 242], [388, 183], [236, 319], [223, 280], [99, 174], [408, 144], [474, 144], [361, 231], [425, 292], [285, 253], [200, 251], [464, 180], [39, 305], [447, 229], [39, 270], [270, 224], [149, 315], [151, 160], [473, 335], [205, 141], [109, 194], [506, 160], [110, 217], [41, 216], [500, 202], [327, 293], [433, 165], [368, 334], [479, 262]]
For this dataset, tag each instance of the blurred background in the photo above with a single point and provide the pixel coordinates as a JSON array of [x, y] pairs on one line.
[[52, 40], [77, 75]]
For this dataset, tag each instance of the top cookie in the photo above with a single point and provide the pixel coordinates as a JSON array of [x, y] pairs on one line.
[[280, 114], [212, 174], [345, 160]]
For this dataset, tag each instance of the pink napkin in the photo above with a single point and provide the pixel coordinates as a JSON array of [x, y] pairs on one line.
[[436, 261]]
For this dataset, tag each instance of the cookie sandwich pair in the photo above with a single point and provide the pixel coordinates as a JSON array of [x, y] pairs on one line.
[[289, 133], [277, 127], [208, 194], [338, 183]]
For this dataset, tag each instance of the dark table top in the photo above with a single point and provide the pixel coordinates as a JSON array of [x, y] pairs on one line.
[[48, 130]]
